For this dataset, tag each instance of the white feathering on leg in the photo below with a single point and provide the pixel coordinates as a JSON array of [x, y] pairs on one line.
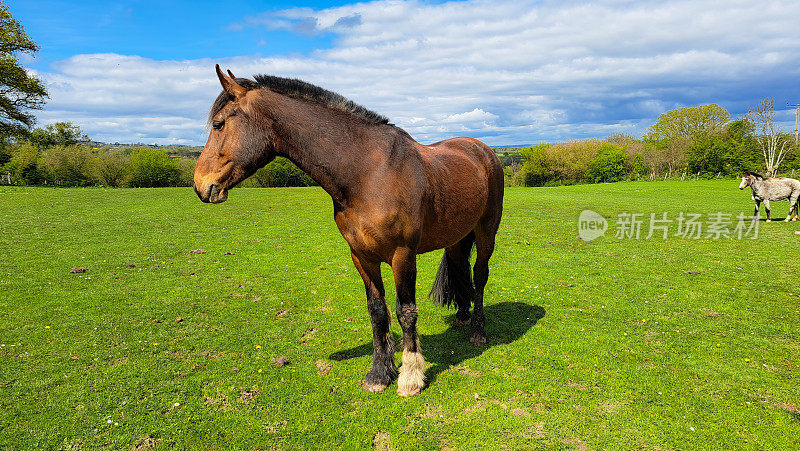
[[412, 374]]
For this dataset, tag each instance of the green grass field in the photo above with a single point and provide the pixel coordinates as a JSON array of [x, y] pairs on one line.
[[602, 344]]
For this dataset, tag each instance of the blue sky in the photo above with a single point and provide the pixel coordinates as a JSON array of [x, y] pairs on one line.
[[158, 29], [507, 72]]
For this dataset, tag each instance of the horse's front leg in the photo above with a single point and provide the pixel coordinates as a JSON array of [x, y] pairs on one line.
[[412, 372], [383, 370], [755, 213], [766, 207]]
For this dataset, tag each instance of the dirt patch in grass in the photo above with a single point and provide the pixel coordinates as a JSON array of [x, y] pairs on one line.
[[520, 413], [146, 442], [381, 441], [279, 361], [219, 400], [308, 335], [323, 367], [609, 407], [247, 396]]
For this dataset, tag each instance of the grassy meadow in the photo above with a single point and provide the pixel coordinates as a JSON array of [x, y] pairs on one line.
[[261, 342]]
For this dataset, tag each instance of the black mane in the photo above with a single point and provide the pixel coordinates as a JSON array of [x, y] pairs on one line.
[[302, 90], [756, 175]]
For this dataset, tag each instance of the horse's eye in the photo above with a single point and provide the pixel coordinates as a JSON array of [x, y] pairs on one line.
[[217, 125]]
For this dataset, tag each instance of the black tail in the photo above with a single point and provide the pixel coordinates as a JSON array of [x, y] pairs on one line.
[[454, 279]]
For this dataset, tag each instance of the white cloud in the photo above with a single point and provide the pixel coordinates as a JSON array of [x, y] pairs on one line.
[[504, 71]]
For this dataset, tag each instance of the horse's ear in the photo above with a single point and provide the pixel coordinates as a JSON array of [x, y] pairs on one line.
[[745, 174], [229, 84], [231, 74]]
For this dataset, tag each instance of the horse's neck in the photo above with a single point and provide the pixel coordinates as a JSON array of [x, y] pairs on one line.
[[758, 187], [320, 143]]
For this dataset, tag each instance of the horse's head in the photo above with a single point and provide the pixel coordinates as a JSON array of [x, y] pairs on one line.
[[238, 144], [747, 179]]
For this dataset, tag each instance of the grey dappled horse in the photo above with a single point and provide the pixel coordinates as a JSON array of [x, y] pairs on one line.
[[766, 189]]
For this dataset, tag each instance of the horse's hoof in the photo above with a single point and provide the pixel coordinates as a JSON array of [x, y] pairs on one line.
[[478, 339], [374, 388], [769, 220], [462, 322], [408, 391]]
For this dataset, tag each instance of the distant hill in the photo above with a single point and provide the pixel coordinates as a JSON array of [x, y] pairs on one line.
[[183, 151], [174, 150]]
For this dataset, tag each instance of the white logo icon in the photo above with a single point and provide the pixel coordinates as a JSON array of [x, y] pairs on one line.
[[591, 225]]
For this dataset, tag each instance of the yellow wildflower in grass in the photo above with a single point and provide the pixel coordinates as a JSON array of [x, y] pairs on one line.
[[46, 327], [746, 360], [260, 370], [258, 346]]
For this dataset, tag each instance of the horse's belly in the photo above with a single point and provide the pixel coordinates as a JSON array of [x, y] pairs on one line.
[[449, 223]]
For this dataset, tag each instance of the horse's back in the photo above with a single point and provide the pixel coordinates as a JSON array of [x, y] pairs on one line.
[[781, 188]]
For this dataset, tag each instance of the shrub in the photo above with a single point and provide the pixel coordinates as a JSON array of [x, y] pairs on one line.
[[26, 166], [108, 168], [535, 171], [186, 167], [608, 165], [639, 168], [68, 165], [281, 172], [152, 168]]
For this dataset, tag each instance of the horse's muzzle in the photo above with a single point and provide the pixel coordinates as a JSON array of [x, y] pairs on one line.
[[213, 194]]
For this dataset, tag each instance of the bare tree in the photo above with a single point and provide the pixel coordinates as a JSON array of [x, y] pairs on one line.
[[770, 140]]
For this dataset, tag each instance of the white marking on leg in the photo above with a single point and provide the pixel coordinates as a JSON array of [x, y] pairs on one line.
[[412, 374]]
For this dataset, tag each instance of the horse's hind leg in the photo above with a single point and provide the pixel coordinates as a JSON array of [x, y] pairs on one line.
[[383, 370], [484, 243], [460, 277]]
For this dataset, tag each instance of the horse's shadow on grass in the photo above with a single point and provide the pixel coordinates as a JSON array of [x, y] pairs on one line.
[[505, 323]]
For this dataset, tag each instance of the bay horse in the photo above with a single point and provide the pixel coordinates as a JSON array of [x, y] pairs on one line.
[[765, 189], [393, 199]]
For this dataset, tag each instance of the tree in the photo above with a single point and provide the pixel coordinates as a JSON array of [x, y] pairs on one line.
[[729, 152], [535, 170], [19, 91], [688, 122], [58, 134], [770, 140]]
